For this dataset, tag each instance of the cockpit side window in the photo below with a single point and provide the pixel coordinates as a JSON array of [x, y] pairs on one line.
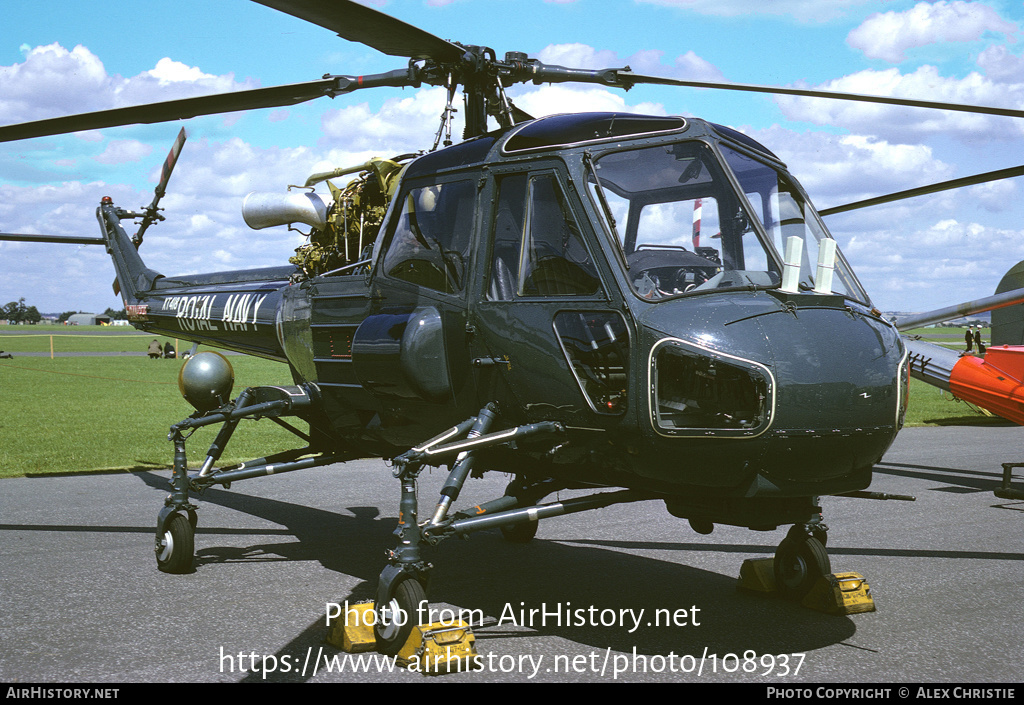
[[785, 212], [538, 247], [431, 239]]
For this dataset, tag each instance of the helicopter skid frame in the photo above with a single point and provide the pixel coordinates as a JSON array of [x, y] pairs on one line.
[[177, 520]]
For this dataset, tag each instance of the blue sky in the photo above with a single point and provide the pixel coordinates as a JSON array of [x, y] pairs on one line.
[[67, 57]]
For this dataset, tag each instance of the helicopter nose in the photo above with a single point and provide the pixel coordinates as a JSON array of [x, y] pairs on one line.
[[817, 381]]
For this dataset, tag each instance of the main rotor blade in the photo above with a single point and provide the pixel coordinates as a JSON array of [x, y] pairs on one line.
[[58, 239], [359, 23], [273, 97], [628, 79], [969, 308], [925, 190]]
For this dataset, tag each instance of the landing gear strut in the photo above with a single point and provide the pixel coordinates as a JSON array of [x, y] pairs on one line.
[[176, 522], [401, 587]]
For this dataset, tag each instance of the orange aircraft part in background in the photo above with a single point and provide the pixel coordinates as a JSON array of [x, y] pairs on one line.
[[994, 382]]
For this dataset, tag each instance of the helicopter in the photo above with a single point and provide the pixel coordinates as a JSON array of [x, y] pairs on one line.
[[535, 300]]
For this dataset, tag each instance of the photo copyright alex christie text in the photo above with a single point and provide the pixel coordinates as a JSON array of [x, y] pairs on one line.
[[555, 614]]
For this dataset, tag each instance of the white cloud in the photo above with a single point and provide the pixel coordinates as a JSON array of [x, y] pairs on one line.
[[842, 169], [911, 261], [995, 196], [401, 125], [558, 99], [916, 254], [169, 71], [888, 35], [899, 123], [688, 65], [53, 81], [999, 64], [122, 151], [50, 81], [553, 99]]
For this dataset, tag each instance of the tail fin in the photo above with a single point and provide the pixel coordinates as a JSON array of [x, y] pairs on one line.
[[133, 276]]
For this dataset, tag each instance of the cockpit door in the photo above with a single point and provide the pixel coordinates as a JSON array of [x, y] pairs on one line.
[[409, 353], [544, 333]]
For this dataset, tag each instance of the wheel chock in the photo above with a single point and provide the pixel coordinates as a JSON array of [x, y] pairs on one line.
[[757, 575], [352, 630], [440, 647], [840, 593], [1007, 490]]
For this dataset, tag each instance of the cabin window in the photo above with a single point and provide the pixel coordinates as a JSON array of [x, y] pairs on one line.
[[432, 235], [596, 346], [538, 247]]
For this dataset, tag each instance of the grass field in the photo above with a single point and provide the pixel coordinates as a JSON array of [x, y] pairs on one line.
[[949, 337], [78, 414], [74, 414], [106, 339]]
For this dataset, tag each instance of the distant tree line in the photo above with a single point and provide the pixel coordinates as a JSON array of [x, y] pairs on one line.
[[17, 312]]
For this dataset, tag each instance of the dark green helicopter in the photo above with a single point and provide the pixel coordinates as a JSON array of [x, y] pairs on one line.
[[593, 301]]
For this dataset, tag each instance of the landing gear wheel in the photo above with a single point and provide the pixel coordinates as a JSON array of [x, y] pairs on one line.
[[526, 495], [520, 533], [177, 547], [396, 619], [799, 561]]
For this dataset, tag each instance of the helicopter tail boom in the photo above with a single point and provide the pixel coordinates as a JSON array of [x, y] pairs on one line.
[[231, 310]]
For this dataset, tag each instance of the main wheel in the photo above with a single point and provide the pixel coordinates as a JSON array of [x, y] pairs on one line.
[[396, 619], [520, 533], [177, 547], [799, 561]]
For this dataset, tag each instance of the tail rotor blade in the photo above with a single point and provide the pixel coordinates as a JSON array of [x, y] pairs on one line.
[[172, 159], [152, 212]]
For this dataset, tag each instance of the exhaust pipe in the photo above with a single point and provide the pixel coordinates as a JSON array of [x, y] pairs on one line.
[[265, 210]]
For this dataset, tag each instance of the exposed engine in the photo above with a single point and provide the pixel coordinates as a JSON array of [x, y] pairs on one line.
[[344, 227]]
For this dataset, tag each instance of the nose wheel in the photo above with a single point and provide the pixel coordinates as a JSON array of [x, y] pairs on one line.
[[799, 561], [175, 549], [397, 617]]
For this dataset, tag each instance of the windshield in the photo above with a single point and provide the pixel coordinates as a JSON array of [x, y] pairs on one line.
[[784, 212], [681, 225], [684, 229]]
